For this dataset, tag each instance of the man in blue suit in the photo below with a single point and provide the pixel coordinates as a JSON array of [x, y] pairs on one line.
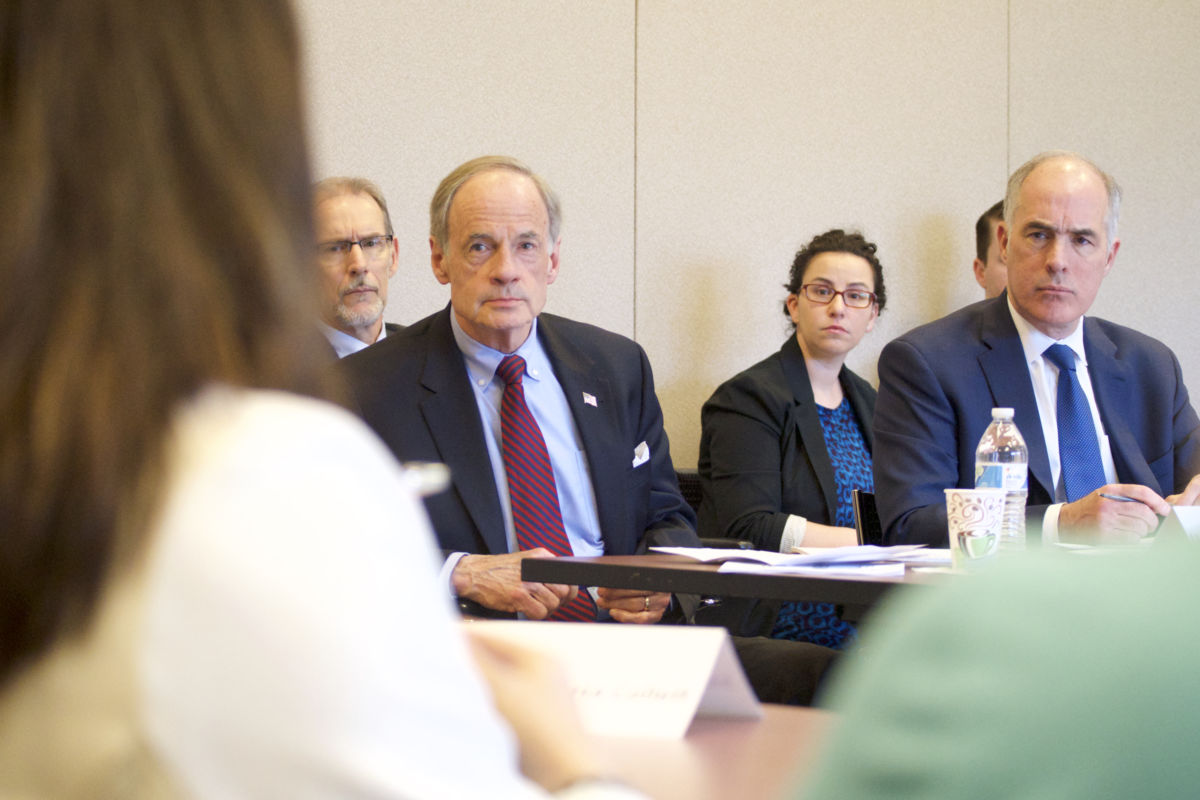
[[939, 382]]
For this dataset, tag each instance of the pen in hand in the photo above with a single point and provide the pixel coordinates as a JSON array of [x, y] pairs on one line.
[[1123, 499]]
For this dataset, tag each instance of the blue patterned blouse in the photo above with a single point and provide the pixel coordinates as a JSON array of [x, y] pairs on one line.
[[818, 622]]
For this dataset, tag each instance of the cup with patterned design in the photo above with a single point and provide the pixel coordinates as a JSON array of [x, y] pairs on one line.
[[973, 517]]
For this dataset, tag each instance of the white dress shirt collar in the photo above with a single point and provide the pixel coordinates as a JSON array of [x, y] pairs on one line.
[[1034, 342]]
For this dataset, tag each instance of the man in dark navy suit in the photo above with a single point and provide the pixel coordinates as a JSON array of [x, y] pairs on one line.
[[435, 392], [432, 394], [939, 382]]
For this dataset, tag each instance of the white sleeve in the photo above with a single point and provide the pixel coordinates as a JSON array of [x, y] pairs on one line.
[[1050, 523], [297, 641], [793, 533]]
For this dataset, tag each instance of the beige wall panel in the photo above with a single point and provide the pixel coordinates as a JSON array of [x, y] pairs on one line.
[[405, 91], [1117, 81], [762, 124], [697, 144]]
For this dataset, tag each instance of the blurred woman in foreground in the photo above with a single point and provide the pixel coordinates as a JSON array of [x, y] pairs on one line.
[[784, 443], [210, 585]]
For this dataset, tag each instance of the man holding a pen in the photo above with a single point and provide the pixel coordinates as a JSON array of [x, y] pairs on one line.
[[1113, 439]]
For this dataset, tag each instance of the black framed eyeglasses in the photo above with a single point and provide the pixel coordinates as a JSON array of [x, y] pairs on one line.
[[823, 294], [374, 248]]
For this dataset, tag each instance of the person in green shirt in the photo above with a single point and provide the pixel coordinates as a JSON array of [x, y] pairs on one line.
[[1054, 675]]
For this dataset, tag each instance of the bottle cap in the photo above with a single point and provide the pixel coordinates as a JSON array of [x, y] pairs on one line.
[[1002, 413]]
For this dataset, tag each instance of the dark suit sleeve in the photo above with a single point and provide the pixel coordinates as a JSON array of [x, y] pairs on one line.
[[1186, 431], [741, 464], [1153, 429], [915, 448], [669, 520]]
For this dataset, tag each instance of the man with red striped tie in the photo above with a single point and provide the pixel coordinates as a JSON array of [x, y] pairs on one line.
[[551, 428]]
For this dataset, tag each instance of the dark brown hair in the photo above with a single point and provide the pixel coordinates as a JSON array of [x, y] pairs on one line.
[[156, 237], [836, 241], [983, 229]]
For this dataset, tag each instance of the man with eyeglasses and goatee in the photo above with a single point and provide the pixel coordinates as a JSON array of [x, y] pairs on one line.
[[357, 254]]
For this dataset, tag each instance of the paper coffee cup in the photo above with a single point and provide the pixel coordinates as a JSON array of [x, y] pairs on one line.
[[973, 518]]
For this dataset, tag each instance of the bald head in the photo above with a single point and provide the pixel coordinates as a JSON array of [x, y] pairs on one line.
[[1058, 239]]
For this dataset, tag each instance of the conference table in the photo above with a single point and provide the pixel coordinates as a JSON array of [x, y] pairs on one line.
[[662, 572], [720, 759]]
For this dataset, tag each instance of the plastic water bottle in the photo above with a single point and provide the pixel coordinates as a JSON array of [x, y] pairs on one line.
[[1002, 462]]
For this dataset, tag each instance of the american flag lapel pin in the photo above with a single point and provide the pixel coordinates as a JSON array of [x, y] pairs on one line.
[[589, 400]]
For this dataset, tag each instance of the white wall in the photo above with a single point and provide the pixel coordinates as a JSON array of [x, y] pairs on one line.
[[698, 144]]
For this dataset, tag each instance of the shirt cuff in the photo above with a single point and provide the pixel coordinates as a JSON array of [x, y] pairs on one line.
[[448, 571], [793, 533], [1050, 524]]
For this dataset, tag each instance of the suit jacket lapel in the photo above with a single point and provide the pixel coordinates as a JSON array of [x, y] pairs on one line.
[[1007, 375], [1112, 385], [808, 423], [608, 454], [452, 416]]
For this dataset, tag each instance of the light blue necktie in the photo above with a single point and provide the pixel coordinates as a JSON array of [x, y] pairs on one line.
[[1078, 448]]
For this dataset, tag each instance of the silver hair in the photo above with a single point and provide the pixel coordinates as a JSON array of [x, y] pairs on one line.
[[1016, 180], [340, 185], [439, 207]]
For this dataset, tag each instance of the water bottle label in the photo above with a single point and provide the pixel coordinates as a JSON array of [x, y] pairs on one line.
[[1001, 476], [989, 476], [1016, 476]]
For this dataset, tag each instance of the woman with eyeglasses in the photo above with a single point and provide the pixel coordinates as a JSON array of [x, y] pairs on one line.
[[785, 442]]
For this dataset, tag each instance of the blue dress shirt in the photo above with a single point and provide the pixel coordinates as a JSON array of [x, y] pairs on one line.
[[548, 404]]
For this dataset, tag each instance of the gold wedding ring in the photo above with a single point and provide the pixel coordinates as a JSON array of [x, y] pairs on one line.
[[647, 601]]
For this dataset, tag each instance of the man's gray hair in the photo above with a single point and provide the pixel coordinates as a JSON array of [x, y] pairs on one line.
[[439, 207], [340, 185], [1110, 185]]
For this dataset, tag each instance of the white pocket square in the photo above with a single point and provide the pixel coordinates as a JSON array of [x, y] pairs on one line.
[[641, 454]]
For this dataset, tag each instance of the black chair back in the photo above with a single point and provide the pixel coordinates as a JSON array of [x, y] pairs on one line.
[[690, 487]]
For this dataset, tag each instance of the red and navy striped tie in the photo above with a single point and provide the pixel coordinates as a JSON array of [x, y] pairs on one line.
[[531, 487]]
